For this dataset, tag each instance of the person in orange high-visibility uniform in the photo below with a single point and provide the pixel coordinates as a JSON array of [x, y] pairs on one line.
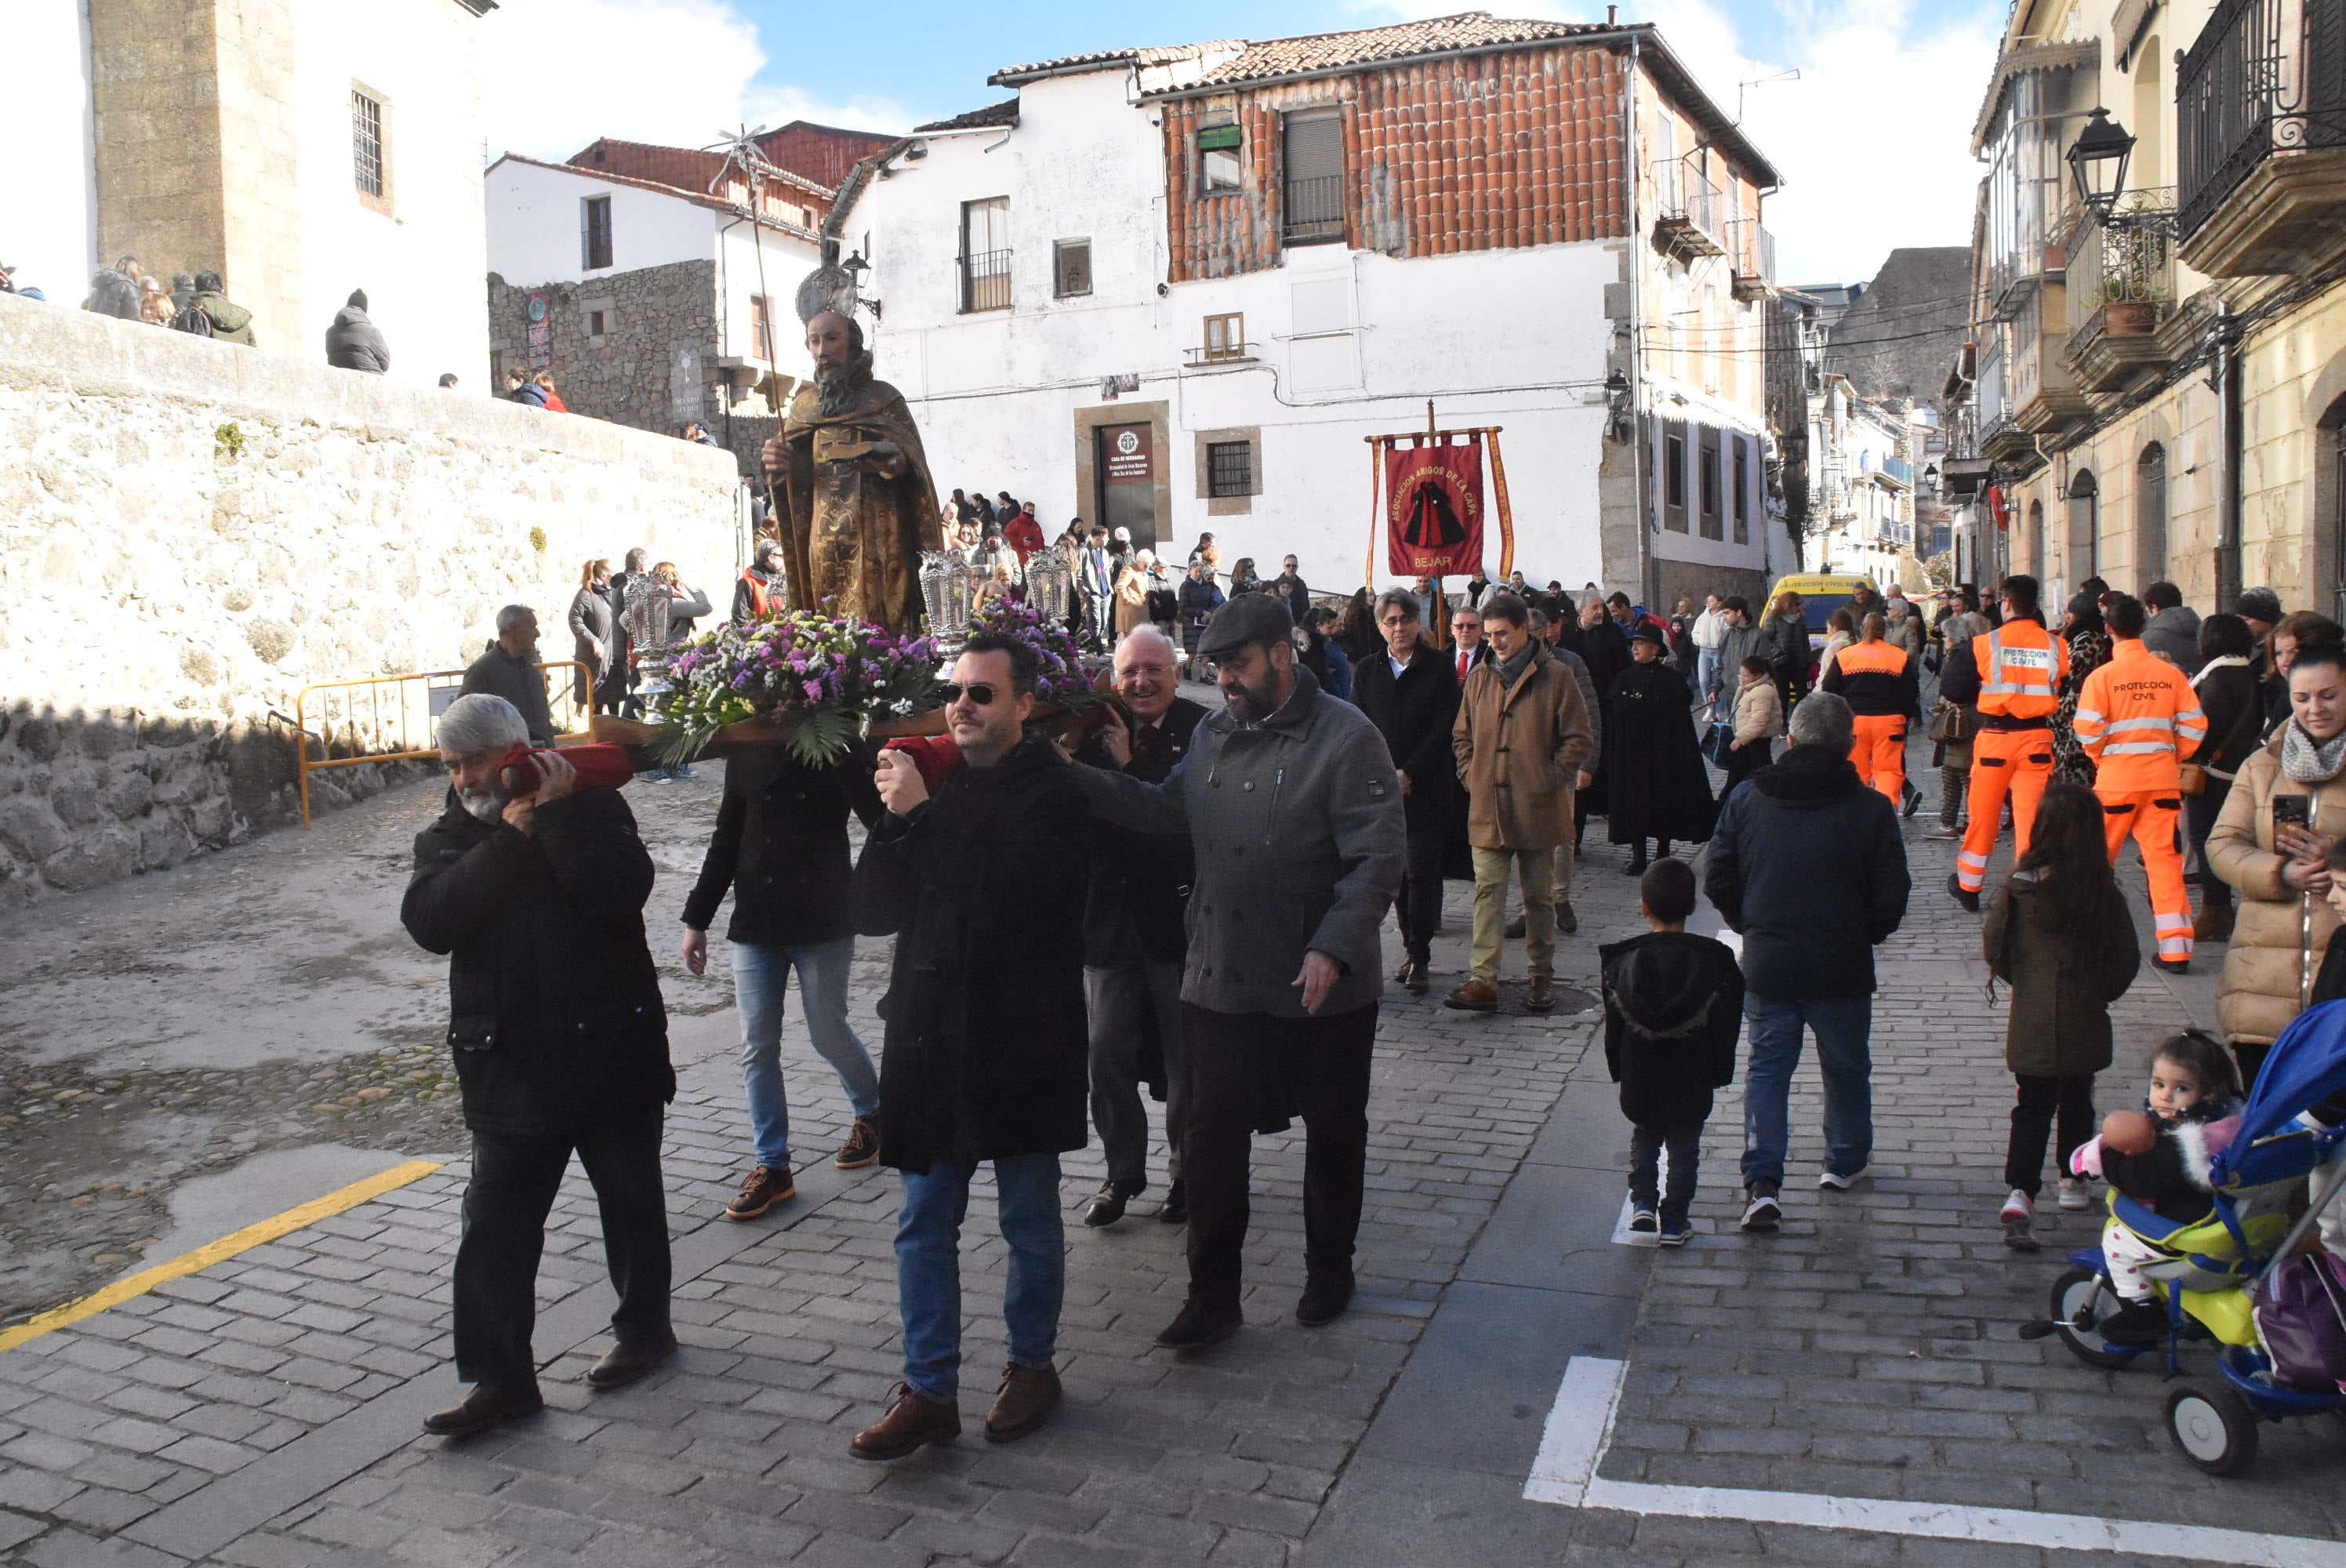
[[2013, 677], [2137, 716], [1881, 685]]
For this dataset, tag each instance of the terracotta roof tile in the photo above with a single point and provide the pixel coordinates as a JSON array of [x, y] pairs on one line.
[[1368, 45], [1005, 113], [1245, 60]]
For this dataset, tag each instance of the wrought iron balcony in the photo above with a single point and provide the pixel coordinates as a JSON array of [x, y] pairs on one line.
[[2260, 112], [985, 281], [1315, 209], [2121, 290], [1754, 249], [1692, 219]]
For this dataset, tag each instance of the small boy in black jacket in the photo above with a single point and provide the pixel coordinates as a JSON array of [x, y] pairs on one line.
[[1673, 1008]]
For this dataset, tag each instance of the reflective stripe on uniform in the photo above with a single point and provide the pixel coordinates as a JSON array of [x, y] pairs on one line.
[[2139, 748], [2091, 715], [2147, 723]]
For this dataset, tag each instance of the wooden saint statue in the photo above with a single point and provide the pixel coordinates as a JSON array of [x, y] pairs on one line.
[[853, 503]]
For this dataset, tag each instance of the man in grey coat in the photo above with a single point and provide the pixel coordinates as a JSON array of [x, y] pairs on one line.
[[1294, 815], [508, 667]]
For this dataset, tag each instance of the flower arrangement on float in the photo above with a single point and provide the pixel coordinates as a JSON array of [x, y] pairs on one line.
[[812, 682]]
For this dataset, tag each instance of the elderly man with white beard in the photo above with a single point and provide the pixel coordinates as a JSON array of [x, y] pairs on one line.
[[560, 1043]]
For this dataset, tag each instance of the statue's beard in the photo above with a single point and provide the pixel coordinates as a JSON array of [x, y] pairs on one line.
[[840, 383]]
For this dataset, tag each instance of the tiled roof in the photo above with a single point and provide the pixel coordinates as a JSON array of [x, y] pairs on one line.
[[1248, 61], [1368, 45], [685, 167], [1005, 113], [1102, 59], [697, 198]]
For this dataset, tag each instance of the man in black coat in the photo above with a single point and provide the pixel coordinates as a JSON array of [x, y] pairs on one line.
[[1289, 585], [983, 888], [561, 1046], [1135, 934], [508, 668], [1806, 864], [1410, 692], [781, 845]]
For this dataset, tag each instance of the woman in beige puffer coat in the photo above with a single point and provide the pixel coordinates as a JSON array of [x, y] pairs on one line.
[[2285, 922]]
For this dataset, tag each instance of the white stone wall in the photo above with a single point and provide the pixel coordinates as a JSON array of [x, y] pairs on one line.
[[190, 531]]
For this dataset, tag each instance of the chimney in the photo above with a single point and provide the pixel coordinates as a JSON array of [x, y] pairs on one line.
[[1612, 15]]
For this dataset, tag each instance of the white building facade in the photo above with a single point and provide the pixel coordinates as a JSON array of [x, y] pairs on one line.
[[1178, 290], [301, 148], [659, 304]]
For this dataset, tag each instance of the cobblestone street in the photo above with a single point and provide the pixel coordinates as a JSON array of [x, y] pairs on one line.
[[264, 1409]]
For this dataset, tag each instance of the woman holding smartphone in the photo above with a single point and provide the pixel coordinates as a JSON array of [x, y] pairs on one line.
[[2272, 842]]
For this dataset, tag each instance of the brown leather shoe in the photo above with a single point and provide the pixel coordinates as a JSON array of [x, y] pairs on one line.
[[1411, 977], [912, 1419], [2214, 924], [1028, 1395], [863, 1144], [1474, 996], [760, 1190], [1543, 996]]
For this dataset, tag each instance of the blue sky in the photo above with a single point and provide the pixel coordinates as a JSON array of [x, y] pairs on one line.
[[1871, 136]]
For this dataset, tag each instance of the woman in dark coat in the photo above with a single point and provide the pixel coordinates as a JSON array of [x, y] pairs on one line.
[[2227, 685], [2059, 934], [1655, 786]]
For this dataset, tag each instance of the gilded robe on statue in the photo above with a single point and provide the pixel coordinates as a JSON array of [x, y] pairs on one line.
[[853, 523]]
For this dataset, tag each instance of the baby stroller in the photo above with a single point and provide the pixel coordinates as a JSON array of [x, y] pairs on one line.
[[2209, 1283]]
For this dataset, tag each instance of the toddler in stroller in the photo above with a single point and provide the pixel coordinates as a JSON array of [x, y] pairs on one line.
[[2237, 1273], [2157, 1163]]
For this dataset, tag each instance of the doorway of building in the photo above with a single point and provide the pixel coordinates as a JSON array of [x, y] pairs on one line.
[[1125, 465]]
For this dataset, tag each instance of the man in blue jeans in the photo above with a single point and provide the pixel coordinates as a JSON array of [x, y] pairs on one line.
[[781, 846], [1808, 865], [982, 883]]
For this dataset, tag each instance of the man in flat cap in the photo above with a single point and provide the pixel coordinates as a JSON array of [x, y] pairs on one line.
[[1294, 815]]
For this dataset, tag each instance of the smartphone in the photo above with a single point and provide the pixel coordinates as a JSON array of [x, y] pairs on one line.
[[2292, 811]]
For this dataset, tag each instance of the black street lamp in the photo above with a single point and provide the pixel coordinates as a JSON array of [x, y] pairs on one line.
[[2098, 162]]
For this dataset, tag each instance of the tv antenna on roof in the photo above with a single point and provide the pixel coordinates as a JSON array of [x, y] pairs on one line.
[[1744, 86]]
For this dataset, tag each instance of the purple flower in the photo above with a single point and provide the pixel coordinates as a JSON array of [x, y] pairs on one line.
[[812, 690]]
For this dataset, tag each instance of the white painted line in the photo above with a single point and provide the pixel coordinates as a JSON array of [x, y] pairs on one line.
[[1580, 1427]]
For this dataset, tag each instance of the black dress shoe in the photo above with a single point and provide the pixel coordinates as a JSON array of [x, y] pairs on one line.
[[1106, 1206], [1516, 929], [626, 1362], [1175, 1210], [1198, 1325], [484, 1407], [1325, 1298]]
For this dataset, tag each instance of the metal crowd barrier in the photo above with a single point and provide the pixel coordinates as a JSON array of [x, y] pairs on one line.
[[396, 718]]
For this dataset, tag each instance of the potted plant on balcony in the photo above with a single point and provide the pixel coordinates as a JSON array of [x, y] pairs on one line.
[[2132, 260]]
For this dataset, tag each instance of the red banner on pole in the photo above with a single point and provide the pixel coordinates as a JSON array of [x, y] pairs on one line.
[[1434, 512]]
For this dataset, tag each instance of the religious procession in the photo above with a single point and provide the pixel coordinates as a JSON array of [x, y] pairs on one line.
[[1456, 863]]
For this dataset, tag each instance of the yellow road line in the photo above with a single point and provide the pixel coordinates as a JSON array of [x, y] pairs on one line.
[[219, 1251]]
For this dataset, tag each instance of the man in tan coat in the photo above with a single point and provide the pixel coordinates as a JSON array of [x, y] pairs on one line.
[[1522, 736]]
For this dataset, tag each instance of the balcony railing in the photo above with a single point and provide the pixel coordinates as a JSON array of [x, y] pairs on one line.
[[2265, 76], [1315, 209], [985, 281], [1754, 252], [1693, 211], [2126, 263]]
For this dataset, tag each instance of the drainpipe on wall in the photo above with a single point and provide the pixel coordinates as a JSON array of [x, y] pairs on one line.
[[2225, 335], [1640, 437]]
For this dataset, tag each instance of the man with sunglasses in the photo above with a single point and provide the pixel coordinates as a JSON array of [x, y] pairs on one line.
[[1135, 938], [1294, 817], [985, 1045]]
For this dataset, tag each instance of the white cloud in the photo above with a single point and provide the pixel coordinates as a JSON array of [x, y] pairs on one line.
[[1874, 140], [557, 74]]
